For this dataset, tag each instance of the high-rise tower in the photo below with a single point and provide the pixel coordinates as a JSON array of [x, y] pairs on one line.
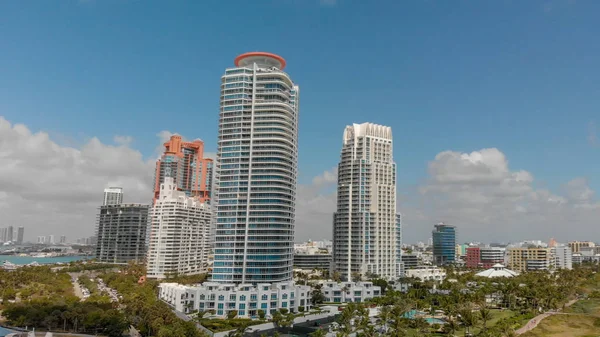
[[179, 239], [257, 167], [366, 226], [113, 196], [185, 163], [444, 242], [20, 235], [10, 235]]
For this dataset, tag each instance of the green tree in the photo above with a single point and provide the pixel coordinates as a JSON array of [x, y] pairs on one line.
[[485, 314]]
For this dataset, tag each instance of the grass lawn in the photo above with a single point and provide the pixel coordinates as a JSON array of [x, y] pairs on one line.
[[566, 326], [496, 316], [588, 307]]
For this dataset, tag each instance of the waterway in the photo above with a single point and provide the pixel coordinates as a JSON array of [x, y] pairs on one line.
[[21, 260], [4, 332]]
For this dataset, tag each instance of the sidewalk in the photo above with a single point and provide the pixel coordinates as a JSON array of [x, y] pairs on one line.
[[537, 319]]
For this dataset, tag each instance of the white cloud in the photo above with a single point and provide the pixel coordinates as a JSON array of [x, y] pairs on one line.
[[123, 140], [326, 178], [315, 204], [486, 200], [479, 193], [53, 189]]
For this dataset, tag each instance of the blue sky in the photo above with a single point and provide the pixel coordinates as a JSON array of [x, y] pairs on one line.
[[521, 76]]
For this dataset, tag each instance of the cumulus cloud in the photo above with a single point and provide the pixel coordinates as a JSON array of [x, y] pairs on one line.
[[315, 204], [56, 189], [486, 200], [123, 140], [53, 189], [479, 193]]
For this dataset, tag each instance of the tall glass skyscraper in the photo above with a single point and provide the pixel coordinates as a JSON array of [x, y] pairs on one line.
[[256, 171], [366, 227], [444, 244]]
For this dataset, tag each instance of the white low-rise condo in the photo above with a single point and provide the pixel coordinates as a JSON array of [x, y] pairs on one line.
[[179, 235], [246, 300], [366, 227]]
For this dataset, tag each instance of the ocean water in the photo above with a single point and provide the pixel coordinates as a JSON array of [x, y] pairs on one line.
[[4, 332], [20, 260]]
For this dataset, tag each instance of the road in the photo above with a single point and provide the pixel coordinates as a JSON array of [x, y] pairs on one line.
[[76, 286]]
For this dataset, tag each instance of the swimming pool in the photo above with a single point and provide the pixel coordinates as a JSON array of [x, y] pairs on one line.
[[432, 320], [411, 314]]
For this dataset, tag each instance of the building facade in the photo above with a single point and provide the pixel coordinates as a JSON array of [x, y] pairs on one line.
[[179, 234], [257, 171], [185, 163], [113, 196], [366, 226], [410, 261], [563, 257], [312, 261], [444, 242], [3, 234], [427, 273], [121, 233], [10, 234], [20, 235], [484, 257], [345, 292], [530, 259], [245, 299], [577, 245]]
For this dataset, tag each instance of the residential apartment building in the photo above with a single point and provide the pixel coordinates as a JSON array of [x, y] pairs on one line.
[[345, 292], [10, 233], [530, 259], [444, 243], [410, 261], [257, 172], [563, 257], [184, 162], [121, 233], [3, 234], [20, 235], [179, 234], [113, 196], [245, 299], [427, 273], [484, 257], [366, 225], [312, 261], [577, 245]]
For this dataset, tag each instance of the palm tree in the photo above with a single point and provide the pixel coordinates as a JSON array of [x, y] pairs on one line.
[[468, 318], [450, 327], [485, 314]]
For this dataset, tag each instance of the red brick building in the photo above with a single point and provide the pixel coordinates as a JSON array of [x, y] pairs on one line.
[[484, 257]]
